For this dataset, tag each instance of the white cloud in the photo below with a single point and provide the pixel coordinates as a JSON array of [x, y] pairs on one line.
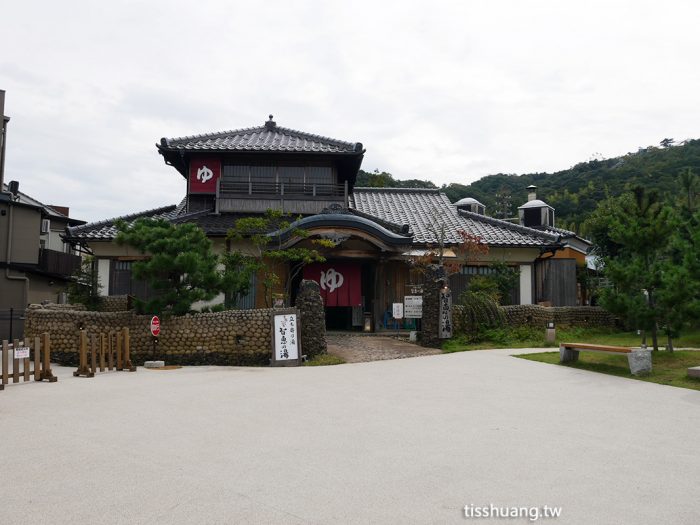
[[449, 91]]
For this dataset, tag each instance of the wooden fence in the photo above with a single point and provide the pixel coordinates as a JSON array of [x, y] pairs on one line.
[[109, 351], [21, 366]]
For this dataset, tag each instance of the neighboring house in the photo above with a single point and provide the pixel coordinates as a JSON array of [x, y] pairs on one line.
[[379, 232], [35, 262]]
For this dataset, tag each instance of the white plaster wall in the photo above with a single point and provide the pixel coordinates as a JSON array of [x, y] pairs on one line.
[[525, 284], [103, 276]]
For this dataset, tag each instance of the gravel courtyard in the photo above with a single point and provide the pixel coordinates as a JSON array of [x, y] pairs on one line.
[[398, 441], [362, 348]]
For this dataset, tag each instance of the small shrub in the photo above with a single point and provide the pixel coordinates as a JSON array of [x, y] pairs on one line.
[[324, 360], [481, 312]]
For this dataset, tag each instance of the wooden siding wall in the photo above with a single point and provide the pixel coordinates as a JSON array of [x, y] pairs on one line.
[[394, 280], [555, 281]]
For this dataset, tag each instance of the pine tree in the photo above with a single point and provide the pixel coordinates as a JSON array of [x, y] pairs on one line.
[[180, 267]]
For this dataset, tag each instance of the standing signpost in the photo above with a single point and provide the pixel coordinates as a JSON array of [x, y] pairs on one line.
[[155, 332], [286, 344]]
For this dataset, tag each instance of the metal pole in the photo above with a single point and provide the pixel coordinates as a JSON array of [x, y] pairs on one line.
[[3, 137], [12, 313]]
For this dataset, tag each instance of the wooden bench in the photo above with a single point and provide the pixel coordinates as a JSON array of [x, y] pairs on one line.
[[639, 359]]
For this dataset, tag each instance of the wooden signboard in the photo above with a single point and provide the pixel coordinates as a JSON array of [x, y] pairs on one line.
[[286, 342]]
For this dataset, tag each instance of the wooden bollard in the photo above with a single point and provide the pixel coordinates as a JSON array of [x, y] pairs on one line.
[[37, 359], [15, 363], [83, 369], [119, 350], [46, 373], [5, 363], [93, 353], [127, 350], [110, 349], [102, 352], [26, 366]]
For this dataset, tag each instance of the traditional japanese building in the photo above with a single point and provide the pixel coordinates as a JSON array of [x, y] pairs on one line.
[[378, 233]]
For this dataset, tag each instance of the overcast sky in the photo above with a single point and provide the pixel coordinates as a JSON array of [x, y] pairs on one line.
[[446, 91]]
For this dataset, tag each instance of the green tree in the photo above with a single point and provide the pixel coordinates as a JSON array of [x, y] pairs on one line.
[[689, 183], [84, 287], [498, 283], [637, 257], [236, 277], [268, 254], [180, 267]]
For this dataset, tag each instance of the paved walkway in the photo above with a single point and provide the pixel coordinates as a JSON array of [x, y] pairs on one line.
[[402, 441], [362, 348]]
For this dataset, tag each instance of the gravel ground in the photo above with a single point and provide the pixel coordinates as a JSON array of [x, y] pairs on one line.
[[364, 348]]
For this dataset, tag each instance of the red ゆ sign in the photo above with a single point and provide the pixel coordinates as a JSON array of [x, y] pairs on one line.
[[155, 326]]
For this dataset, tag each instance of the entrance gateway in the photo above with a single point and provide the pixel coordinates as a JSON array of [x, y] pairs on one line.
[[346, 289]]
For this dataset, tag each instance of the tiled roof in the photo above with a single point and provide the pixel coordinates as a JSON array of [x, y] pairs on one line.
[[268, 137], [213, 224], [48, 210], [419, 208], [106, 230], [426, 211], [496, 232]]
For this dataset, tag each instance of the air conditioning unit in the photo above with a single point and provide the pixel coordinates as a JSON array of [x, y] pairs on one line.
[[45, 225]]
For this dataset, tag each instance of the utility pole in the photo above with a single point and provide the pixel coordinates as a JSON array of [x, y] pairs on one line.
[[3, 136]]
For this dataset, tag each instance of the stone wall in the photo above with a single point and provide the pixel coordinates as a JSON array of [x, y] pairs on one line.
[[535, 315], [539, 316], [115, 303], [313, 319], [233, 337]]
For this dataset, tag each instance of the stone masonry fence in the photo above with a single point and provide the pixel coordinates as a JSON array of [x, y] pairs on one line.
[[538, 316], [233, 337]]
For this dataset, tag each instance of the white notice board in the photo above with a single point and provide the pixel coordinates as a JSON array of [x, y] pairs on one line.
[[286, 340], [413, 306], [397, 310]]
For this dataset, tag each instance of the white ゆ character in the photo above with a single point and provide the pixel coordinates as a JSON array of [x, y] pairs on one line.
[[204, 174]]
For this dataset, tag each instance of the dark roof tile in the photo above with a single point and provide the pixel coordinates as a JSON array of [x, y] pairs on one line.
[[428, 211], [264, 138]]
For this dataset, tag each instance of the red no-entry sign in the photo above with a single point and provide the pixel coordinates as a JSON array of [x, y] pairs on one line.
[[155, 326]]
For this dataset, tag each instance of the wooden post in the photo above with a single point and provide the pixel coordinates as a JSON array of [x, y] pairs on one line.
[[37, 359], [119, 350], [26, 364], [110, 349], [93, 353], [127, 350], [83, 369], [102, 352], [5, 363], [46, 373], [15, 362]]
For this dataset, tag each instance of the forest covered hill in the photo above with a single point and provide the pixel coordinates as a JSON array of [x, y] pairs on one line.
[[575, 192]]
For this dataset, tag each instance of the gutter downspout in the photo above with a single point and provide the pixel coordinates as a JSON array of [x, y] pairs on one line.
[[8, 258]]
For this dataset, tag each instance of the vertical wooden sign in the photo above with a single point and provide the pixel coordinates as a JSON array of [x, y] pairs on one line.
[[445, 326]]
